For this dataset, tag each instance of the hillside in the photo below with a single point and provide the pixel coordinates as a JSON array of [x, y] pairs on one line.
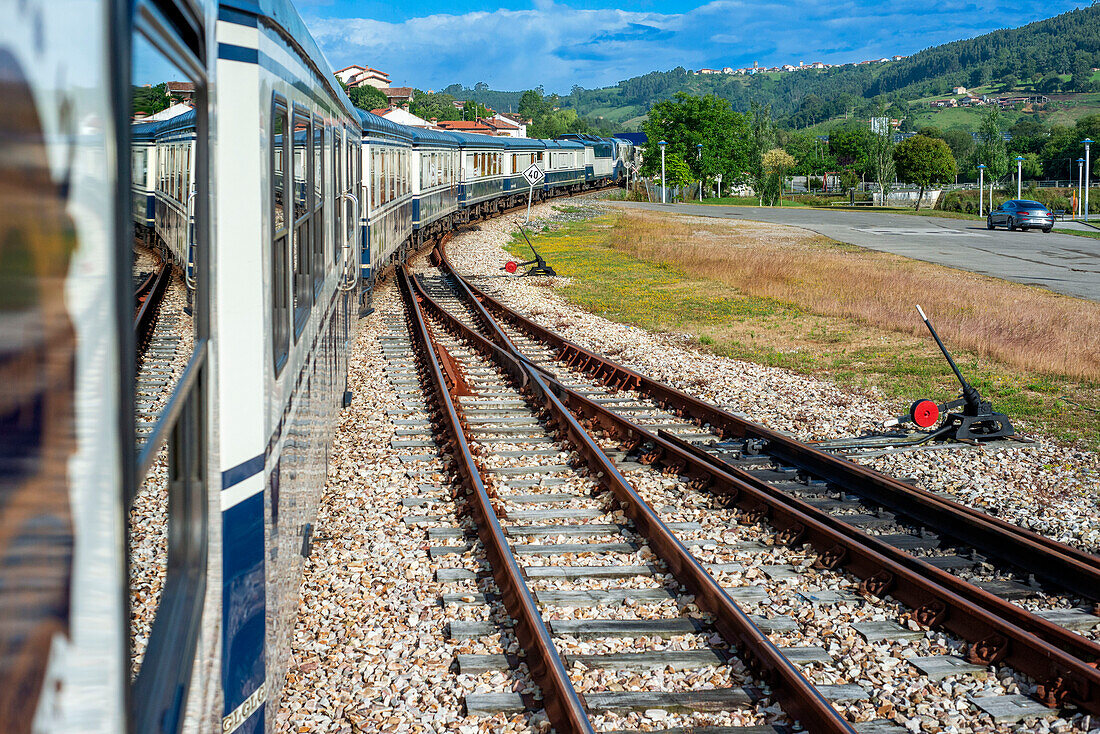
[[1053, 57]]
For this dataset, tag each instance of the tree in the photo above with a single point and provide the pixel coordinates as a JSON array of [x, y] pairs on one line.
[[149, 100], [686, 121], [923, 161], [677, 172], [439, 105], [881, 156], [991, 149], [761, 139], [366, 97], [851, 145], [775, 162]]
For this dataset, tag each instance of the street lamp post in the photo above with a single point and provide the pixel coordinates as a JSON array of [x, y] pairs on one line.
[[1080, 185], [1019, 174], [981, 188], [1085, 198], [699, 157], [662, 144]]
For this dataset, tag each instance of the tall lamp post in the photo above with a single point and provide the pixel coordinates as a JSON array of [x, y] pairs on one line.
[[699, 157], [1080, 184], [1019, 174], [662, 144], [981, 188], [1085, 198]]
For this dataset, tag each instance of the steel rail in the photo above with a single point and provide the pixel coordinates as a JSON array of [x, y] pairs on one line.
[[152, 290], [563, 705], [799, 698], [1071, 568], [1066, 640], [1047, 652]]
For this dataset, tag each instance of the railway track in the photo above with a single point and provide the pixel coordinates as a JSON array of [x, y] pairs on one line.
[[903, 547], [162, 336], [520, 454]]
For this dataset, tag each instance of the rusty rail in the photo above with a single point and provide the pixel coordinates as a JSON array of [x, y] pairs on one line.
[[562, 703], [798, 697], [1070, 568], [149, 295], [997, 630]]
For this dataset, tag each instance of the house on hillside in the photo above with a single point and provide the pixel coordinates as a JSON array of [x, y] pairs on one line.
[[397, 96], [402, 116], [709, 71], [519, 121], [358, 76], [958, 90], [180, 92], [466, 126]]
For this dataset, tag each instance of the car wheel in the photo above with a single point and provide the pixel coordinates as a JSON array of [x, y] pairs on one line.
[[1026, 229], [1011, 225], [1046, 230], [989, 223]]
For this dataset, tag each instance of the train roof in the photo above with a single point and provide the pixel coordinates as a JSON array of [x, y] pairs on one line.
[[565, 144], [379, 127], [436, 138], [474, 140], [524, 143], [150, 131], [283, 15]]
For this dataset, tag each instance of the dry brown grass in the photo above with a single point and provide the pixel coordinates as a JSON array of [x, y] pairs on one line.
[[1017, 325]]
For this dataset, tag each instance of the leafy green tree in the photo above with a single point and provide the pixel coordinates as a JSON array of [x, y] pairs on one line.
[[851, 146], [923, 161], [366, 97], [762, 137], [960, 142], [775, 163], [991, 149], [881, 156], [439, 105], [686, 121], [150, 100]]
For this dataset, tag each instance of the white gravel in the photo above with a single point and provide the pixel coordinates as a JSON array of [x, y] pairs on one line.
[[370, 651], [1046, 486], [149, 515]]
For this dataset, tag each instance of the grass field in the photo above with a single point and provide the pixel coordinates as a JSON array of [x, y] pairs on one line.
[[789, 298]]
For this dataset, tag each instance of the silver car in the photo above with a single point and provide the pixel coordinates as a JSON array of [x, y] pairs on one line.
[[1022, 214]]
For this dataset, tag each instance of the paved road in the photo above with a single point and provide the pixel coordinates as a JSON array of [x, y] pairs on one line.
[[1063, 263]]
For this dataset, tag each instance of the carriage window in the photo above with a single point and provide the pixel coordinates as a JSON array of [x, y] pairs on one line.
[[338, 178], [303, 221], [318, 266], [280, 226], [164, 371]]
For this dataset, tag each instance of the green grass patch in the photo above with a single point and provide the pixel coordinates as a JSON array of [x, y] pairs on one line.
[[1078, 233], [661, 297]]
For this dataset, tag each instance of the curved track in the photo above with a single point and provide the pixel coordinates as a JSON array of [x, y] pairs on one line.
[[792, 486]]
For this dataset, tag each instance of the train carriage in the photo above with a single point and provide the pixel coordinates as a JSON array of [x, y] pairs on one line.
[[481, 172], [287, 193], [386, 216], [563, 166], [435, 161], [143, 179], [280, 203]]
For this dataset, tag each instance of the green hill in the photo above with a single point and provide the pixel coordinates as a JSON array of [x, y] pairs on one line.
[[1054, 57]]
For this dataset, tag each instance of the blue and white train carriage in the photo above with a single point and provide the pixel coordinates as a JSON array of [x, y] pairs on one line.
[[435, 165], [282, 202], [386, 212]]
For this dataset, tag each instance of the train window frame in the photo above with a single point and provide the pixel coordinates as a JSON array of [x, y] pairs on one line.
[[318, 266], [155, 696], [301, 261], [280, 237], [337, 176]]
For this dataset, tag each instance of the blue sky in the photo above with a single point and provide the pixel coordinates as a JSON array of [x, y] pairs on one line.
[[521, 44]]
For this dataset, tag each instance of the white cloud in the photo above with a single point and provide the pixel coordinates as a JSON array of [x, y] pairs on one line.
[[558, 46]]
